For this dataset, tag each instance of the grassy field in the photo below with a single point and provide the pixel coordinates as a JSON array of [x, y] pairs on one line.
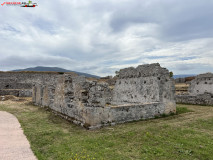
[[187, 135]]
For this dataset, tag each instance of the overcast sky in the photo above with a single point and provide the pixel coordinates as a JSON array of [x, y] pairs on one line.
[[102, 36]]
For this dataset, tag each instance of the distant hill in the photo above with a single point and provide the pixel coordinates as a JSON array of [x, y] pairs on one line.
[[183, 75], [55, 69]]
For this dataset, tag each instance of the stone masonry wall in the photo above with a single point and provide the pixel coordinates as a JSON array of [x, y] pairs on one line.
[[201, 84], [200, 91], [139, 93], [20, 83], [16, 92], [202, 99], [146, 83]]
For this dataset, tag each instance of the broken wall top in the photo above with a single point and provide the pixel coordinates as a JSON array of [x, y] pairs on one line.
[[204, 75], [144, 84], [146, 70]]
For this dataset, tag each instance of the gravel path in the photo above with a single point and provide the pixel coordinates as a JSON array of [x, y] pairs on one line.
[[13, 143]]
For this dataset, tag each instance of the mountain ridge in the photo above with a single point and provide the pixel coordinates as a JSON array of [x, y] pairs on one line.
[[57, 69], [54, 69], [183, 75]]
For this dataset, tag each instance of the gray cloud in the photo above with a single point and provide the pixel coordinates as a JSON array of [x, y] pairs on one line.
[[178, 20], [100, 36]]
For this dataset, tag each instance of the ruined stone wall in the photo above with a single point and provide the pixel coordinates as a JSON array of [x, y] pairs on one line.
[[139, 93], [24, 79], [16, 92], [13, 92], [200, 91], [146, 84], [202, 99], [20, 83], [201, 84]]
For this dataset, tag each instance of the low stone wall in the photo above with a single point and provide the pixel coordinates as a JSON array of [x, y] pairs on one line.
[[16, 92], [96, 117], [139, 93], [13, 92], [202, 99]]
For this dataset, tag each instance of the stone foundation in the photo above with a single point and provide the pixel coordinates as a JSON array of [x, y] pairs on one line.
[[202, 99]]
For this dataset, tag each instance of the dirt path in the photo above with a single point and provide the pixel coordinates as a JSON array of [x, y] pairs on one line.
[[13, 143]]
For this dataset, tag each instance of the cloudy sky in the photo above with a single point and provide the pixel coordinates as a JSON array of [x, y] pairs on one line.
[[102, 36]]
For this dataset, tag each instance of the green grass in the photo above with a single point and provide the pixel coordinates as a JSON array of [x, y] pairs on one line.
[[203, 124], [180, 109], [53, 138]]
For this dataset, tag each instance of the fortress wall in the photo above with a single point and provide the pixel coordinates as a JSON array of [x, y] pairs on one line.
[[21, 82], [94, 103], [26, 77]]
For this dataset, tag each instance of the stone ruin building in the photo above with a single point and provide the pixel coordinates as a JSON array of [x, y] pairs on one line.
[[20, 84], [184, 80], [200, 91], [133, 94]]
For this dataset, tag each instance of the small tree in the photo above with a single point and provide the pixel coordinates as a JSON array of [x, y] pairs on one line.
[[171, 74], [116, 73]]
